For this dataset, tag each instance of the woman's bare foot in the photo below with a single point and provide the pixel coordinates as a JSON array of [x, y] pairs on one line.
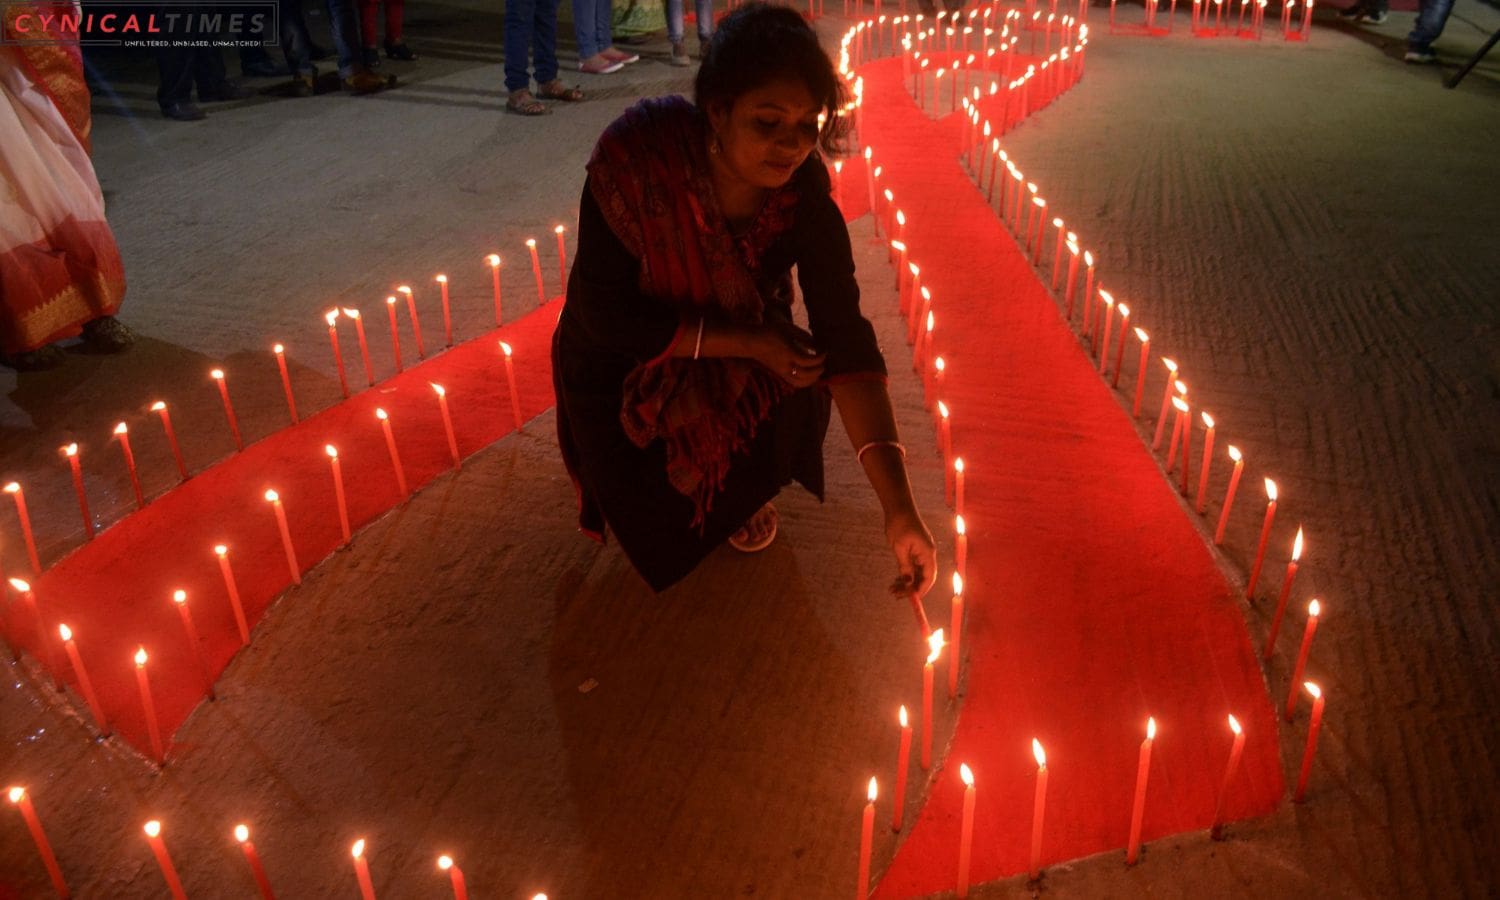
[[758, 533]]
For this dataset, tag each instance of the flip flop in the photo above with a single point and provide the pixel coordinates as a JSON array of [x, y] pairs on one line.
[[745, 545]]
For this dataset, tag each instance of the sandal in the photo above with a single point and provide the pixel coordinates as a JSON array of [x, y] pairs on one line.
[[741, 541], [522, 103], [556, 90]]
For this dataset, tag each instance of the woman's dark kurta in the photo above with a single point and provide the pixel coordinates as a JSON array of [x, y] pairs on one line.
[[608, 327]]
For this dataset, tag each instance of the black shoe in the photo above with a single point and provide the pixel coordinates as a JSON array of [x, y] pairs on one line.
[[1374, 17], [370, 57], [261, 68], [38, 360], [107, 334], [186, 111], [1353, 13], [317, 54], [303, 86], [400, 51], [224, 91]]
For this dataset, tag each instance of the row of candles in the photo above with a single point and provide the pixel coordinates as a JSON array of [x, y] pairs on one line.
[[1209, 19], [121, 432], [20, 798]]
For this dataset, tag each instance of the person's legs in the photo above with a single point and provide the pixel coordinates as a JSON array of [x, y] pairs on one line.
[[584, 28], [174, 66], [674, 20], [544, 41], [296, 43], [395, 19], [520, 23], [1432, 15], [345, 26], [705, 12]]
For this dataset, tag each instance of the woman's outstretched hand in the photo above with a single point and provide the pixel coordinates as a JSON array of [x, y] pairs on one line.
[[789, 352], [916, 554]]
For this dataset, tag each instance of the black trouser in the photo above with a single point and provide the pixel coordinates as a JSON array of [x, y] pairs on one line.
[[296, 43], [180, 67]]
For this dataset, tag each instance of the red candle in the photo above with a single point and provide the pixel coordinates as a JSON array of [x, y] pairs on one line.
[[390, 446], [39, 837], [416, 323], [143, 683], [71, 452], [1102, 346], [331, 317], [1286, 590], [1166, 400], [866, 840], [233, 589], [912, 334], [870, 185], [901, 237], [1187, 449], [1138, 808], [179, 598], [122, 433], [924, 348], [1038, 809], [510, 380], [442, 398], [1182, 409], [390, 306], [293, 568], [338, 489], [960, 545], [286, 381], [494, 260], [1229, 770], [160, 409], [14, 489], [838, 182], [536, 269], [903, 762], [935, 386], [1314, 610], [442, 281], [43, 645], [364, 347], [85, 684], [935, 642], [242, 835], [890, 210], [234, 425], [1265, 534], [1039, 209], [1072, 276], [958, 485], [1120, 345], [1057, 252], [445, 862], [562, 260], [1312, 739], [1205, 463], [163, 860], [955, 628], [1234, 483], [1088, 293], [362, 870], [966, 830]]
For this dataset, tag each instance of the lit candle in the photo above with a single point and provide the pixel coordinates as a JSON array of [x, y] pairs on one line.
[[935, 642], [955, 628], [362, 870], [1072, 277], [122, 433], [148, 706], [416, 323], [19, 798], [924, 347], [1102, 346], [912, 334], [364, 347], [494, 260], [935, 386], [222, 552], [43, 645], [1314, 610], [838, 181], [332, 317], [1205, 463], [85, 684], [1088, 293], [242, 835], [1140, 373], [966, 830], [1312, 739], [292, 566], [890, 210], [1182, 410], [510, 380], [1120, 345], [442, 397], [870, 185], [960, 545], [160, 409], [234, 425], [1039, 808], [1234, 762], [163, 860], [562, 261], [903, 763], [536, 269], [338, 489], [866, 840], [1286, 591], [390, 308], [1138, 808], [1057, 252], [958, 485], [286, 381], [390, 446], [1234, 483], [1039, 213], [1187, 449], [442, 282], [71, 452], [1166, 400], [179, 599], [1265, 534], [445, 862], [901, 235]]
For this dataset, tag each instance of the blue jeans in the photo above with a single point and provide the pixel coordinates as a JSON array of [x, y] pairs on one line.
[[344, 19], [1432, 15], [705, 11], [591, 21], [530, 25]]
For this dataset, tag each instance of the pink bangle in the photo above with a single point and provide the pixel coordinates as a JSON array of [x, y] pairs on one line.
[[698, 346], [860, 454]]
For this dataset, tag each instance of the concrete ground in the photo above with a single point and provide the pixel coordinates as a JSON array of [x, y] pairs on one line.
[[1308, 230]]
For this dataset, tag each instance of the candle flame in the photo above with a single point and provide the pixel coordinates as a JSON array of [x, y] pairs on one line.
[[152, 829], [278, 349], [1181, 404], [1031, 187], [1038, 201], [241, 833], [217, 374], [939, 364], [445, 862], [942, 409], [440, 278], [16, 794], [926, 294], [930, 321], [121, 429], [1057, 223], [531, 242], [1181, 387], [65, 632], [966, 775], [935, 642], [958, 585], [20, 586], [140, 656], [838, 167], [1150, 728], [914, 268], [438, 389], [1314, 609], [380, 414], [351, 313], [559, 229], [889, 197], [331, 316], [1312, 689], [1072, 246], [1039, 753], [958, 464], [869, 152], [494, 260], [900, 217], [332, 451], [898, 246], [272, 496], [872, 791], [1234, 725], [13, 488], [220, 550], [1297, 545], [1235, 454], [902, 717], [505, 348], [358, 849], [403, 289], [1107, 297], [1170, 364], [1088, 259], [390, 301], [1124, 311], [958, 524], [179, 597], [1271, 490], [1208, 420]]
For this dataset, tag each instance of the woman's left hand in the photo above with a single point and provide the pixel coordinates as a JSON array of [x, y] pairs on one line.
[[916, 553]]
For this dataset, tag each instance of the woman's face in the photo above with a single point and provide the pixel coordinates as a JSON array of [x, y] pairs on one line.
[[768, 133]]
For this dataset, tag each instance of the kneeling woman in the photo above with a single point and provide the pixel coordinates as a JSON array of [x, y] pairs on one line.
[[686, 395]]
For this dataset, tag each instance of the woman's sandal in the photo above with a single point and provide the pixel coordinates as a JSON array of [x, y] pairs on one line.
[[556, 90], [740, 540], [522, 103]]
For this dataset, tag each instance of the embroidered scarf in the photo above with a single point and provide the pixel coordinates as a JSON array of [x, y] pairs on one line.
[[650, 176]]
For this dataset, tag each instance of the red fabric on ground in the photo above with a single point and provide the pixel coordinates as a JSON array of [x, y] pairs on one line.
[[1092, 601], [115, 592]]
